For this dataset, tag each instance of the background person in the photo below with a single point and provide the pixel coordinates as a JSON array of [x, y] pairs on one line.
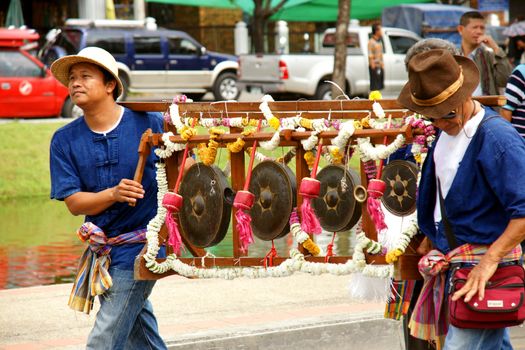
[[483, 186], [493, 65], [376, 65], [92, 161]]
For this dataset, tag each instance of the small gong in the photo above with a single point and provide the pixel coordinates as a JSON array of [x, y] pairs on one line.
[[205, 214], [274, 187], [400, 177], [336, 206]]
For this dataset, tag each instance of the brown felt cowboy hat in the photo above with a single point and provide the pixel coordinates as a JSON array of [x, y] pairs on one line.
[[94, 55], [438, 83]]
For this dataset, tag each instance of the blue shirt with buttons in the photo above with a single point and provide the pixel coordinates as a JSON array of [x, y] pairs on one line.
[[85, 161], [487, 191]]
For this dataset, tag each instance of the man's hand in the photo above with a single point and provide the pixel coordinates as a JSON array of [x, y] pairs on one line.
[[127, 191], [477, 278], [487, 40]]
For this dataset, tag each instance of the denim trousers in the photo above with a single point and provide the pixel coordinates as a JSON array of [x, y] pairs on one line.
[[125, 319], [477, 339]]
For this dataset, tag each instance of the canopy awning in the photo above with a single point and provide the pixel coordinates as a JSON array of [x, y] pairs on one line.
[[304, 10]]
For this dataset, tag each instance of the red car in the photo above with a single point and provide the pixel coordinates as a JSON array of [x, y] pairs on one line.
[[27, 87]]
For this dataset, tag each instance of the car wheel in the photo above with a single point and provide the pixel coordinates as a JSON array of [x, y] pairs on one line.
[[323, 92], [195, 97], [225, 87], [125, 84], [68, 109]]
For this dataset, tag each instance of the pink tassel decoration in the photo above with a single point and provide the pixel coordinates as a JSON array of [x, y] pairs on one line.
[[375, 190], [244, 201], [173, 202], [310, 188]]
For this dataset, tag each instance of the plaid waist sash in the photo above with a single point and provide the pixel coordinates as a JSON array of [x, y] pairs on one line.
[[429, 320], [92, 276]]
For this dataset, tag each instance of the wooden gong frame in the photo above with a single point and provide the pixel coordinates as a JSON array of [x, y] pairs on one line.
[[337, 109]]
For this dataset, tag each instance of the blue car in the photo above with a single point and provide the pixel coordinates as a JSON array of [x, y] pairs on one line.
[[150, 59]]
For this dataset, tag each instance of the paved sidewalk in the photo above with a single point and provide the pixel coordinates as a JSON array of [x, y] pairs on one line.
[[297, 312]]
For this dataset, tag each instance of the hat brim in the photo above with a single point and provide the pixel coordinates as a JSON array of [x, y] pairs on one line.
[[470, 82], [60, 69]]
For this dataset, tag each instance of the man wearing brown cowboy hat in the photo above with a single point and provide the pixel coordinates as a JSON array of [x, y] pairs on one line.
[[475, 172], [92, 161]]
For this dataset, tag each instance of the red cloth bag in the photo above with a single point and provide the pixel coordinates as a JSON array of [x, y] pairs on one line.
[[503, 305]]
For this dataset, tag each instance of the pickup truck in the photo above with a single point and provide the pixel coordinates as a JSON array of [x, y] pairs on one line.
[[305, 74]]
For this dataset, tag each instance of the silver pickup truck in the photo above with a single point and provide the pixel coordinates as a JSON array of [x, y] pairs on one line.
[[305, 74]]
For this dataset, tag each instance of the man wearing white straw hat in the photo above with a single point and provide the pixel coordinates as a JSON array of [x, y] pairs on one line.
[[92, 161], [471, 198]]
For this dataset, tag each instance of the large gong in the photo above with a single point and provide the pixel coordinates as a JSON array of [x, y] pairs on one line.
[[205, 215], [274, 187], [400, 177], [336, 207]]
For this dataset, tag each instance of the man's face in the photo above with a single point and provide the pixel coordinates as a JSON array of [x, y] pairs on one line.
[[379, 32], [472, 32], [86, 84]]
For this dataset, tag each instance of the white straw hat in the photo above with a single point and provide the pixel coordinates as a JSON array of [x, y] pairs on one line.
[[95, 55]]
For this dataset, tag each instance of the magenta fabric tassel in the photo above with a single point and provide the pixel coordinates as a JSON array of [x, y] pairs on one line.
[[310, 223], [373, 206], [244, 228], [174, 235]]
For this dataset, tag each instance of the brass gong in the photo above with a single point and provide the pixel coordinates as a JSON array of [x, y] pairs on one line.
[[205, 215], [274, 187], [400, 177], [336, 206]]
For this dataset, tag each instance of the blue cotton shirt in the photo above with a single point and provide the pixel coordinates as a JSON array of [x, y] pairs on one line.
[[84, 161], [487, 191]]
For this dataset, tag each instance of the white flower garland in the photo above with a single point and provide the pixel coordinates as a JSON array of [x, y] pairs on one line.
[[296, 262], [371, 152], [169, 147], [273, 143], [311, 141], [345, 132], [175, 117]]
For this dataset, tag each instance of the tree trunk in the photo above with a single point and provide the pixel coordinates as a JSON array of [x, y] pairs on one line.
[[341, 32], [258, 25], [262, 12]]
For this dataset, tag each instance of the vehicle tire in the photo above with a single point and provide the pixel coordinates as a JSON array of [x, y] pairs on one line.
[[68, 109], [125, 84], [195, 97], [323, 92], [225, 87]]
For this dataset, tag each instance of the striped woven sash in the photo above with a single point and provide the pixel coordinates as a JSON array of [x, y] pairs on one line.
[[92, 276], [430, 320]]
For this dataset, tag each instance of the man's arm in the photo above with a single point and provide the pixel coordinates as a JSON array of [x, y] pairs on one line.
[[371, 56], [90, 203], [481, 273], [501, 64]]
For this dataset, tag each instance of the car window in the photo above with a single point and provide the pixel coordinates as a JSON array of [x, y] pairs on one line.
[[352, 40], [112, 43], [15, 64], [147, 45], [401, 44], [181, 46], [70, 41]]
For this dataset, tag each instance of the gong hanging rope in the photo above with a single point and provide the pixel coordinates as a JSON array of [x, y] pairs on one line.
[[376, 189], [172, 201], [244, 201], [309, 189]]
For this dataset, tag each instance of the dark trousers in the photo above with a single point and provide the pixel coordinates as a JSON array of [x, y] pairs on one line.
[[377, 78]]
